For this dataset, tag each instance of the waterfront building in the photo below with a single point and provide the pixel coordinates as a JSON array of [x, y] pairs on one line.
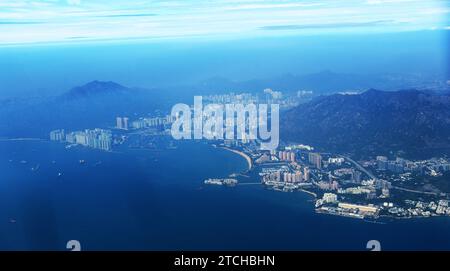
[[97, 138], [361, 208], [57, 135], [70, 138], [329, 198]]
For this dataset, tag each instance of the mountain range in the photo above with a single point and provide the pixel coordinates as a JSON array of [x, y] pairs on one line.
[[407, 122], [325, 82], [94, 104], [94, 88]]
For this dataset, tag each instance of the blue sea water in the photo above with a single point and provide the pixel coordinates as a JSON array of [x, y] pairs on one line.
[[156, 200]]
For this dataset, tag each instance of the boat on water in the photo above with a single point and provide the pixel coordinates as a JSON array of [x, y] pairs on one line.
[[59, 174], [70, 146], [82, 161]]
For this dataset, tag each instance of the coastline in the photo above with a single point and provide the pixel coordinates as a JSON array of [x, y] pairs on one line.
[[243, 154], [309, 192]]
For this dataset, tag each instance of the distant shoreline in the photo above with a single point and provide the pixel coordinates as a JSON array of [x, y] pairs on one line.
[[243, 154], [22, 139]]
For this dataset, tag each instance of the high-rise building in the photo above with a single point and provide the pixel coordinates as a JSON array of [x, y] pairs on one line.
[[292, 158], [382, 162], [70, 138], [306, 174], [125, 123], [80, 138], [315, 159], [122, 123], [119, 123], [329, 198], [356, 176], [298, 176], [334, 185], [278, 176], [285, 177], [57, 135], [138, 124]]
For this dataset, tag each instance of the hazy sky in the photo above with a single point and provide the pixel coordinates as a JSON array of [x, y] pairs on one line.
[[50, 46], [42, 21]]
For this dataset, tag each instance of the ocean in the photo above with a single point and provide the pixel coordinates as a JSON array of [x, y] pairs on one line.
[[156, 200]]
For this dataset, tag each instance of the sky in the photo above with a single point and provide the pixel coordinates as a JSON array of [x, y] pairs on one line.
[[50, 46], [62, 21]]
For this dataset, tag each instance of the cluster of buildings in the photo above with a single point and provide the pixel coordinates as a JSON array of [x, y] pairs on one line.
[[122, 123], [97, 138], [336, 160], [58, 135], [299, 147], [328, 185], [398, 166], [433, 167], [419, 208], [226, 181], [355, 175], [142, 123], [338, 179], [329, 204], [284, 176], [304, 93], [272, 96], [357, 190], [231, 98], [327, 198], [286, 156], [268, 96], [315, 159]]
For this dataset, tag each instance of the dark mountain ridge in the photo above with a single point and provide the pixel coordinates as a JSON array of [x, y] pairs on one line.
[[374, 122], [95, 88], [95, 104]]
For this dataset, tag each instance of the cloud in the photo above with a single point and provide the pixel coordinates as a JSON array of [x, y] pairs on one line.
[[129, 15], [322, 26], [19, 22], [59, 20], [74, 2]]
